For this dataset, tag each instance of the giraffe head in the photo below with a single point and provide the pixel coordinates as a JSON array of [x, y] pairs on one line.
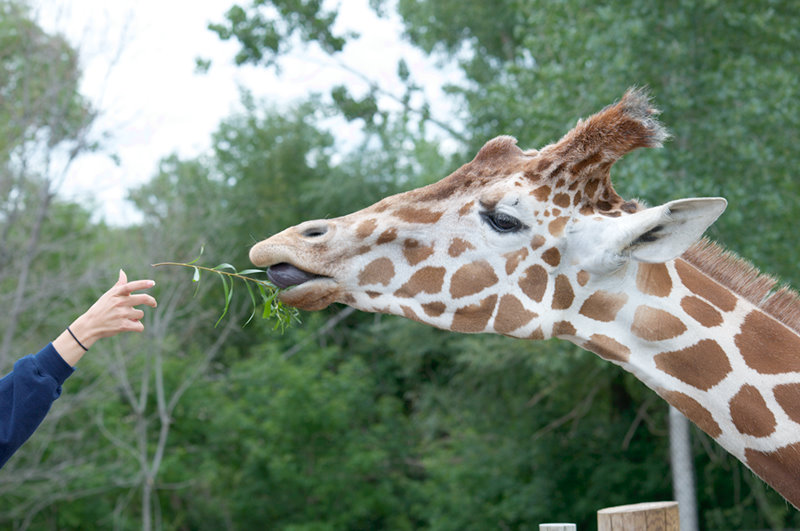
[[501, 244]]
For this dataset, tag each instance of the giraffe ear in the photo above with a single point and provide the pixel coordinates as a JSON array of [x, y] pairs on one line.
[[665, 232]]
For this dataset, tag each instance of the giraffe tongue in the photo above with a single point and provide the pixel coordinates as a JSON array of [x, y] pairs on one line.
[[284, 275]]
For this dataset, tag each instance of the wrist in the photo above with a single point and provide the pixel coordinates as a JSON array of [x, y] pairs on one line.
[[78, 341], [83, 333], [75, 341]]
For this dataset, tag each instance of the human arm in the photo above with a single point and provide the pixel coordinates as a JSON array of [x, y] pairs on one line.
[[27, 393]]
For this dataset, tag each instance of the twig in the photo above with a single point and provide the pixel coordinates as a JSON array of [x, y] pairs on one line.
[[267, 291]]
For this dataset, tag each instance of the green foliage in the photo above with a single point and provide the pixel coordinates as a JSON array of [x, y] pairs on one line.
[[264, 29], [307, 443], [261, 292]]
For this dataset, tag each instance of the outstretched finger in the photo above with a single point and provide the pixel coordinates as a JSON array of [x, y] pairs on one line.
[[136, 285]]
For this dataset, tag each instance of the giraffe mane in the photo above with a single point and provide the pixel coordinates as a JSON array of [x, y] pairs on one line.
[[743, 278]]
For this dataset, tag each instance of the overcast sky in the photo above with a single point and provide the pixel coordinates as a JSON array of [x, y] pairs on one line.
[[138, 59]]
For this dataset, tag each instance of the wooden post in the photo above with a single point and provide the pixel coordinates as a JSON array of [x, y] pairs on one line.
[[657, 516]]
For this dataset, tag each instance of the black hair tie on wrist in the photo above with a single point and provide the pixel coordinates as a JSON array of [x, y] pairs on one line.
[[76, 340]]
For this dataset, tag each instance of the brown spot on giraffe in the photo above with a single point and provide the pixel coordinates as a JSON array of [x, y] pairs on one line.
[[552, 257], [434, 309], [693, 411], [563, 200], [382, 205], [365, 228], [603, 305], [514, 258], [768, 346], [379, 271], [652, 324], [474, 317], [653, 279], [532, 175], [782, 467], [701, 285], [416, 252], [591, 188], [464, 210], [537, 241], [702, 365], [417, 215], [592, 159], [583, 277], [408, 313], [362, 250], [543, 164], [701, 311], [563, 295], [534, 282], [788, 396], [458, 246], [542, 193], [556, 227], [511, 315], [472, 278], [750, 414], [563, 328], [426, 280], [608, 348], [389, 235], [556, 171], [537, 334]]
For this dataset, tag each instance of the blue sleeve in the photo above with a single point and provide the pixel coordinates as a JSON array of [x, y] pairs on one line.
[[26, 395]]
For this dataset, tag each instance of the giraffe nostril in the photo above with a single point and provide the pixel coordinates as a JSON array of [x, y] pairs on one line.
[[314, 230]]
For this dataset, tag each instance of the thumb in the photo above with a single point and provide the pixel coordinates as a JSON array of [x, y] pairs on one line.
[[123, 278]]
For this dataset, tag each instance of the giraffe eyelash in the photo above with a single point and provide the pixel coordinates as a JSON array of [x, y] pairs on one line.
[[502, 222]]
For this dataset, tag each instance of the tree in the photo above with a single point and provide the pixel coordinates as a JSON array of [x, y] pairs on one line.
[[43, 125]]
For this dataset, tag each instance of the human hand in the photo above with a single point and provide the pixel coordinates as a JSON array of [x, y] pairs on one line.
[[114, 312]]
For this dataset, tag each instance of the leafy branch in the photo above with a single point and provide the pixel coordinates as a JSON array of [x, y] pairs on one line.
[[260, 291]]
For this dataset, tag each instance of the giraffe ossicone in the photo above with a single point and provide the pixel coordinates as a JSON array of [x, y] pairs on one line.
[[537, 244]]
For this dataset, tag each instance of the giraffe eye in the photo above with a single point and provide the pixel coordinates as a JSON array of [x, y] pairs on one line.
[[502, 222]]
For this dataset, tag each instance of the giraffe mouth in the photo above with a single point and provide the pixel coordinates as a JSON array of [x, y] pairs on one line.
[[285, 275]]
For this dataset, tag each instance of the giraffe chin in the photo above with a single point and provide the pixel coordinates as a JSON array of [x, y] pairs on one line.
[[312, 295]]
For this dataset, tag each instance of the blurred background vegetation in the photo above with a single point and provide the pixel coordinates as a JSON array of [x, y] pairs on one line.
[[357, 421]]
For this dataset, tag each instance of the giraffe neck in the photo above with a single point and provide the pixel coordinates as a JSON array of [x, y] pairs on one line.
[[726, 363]]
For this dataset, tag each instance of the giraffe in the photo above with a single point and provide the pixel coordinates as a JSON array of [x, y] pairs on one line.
[[537, 244]]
